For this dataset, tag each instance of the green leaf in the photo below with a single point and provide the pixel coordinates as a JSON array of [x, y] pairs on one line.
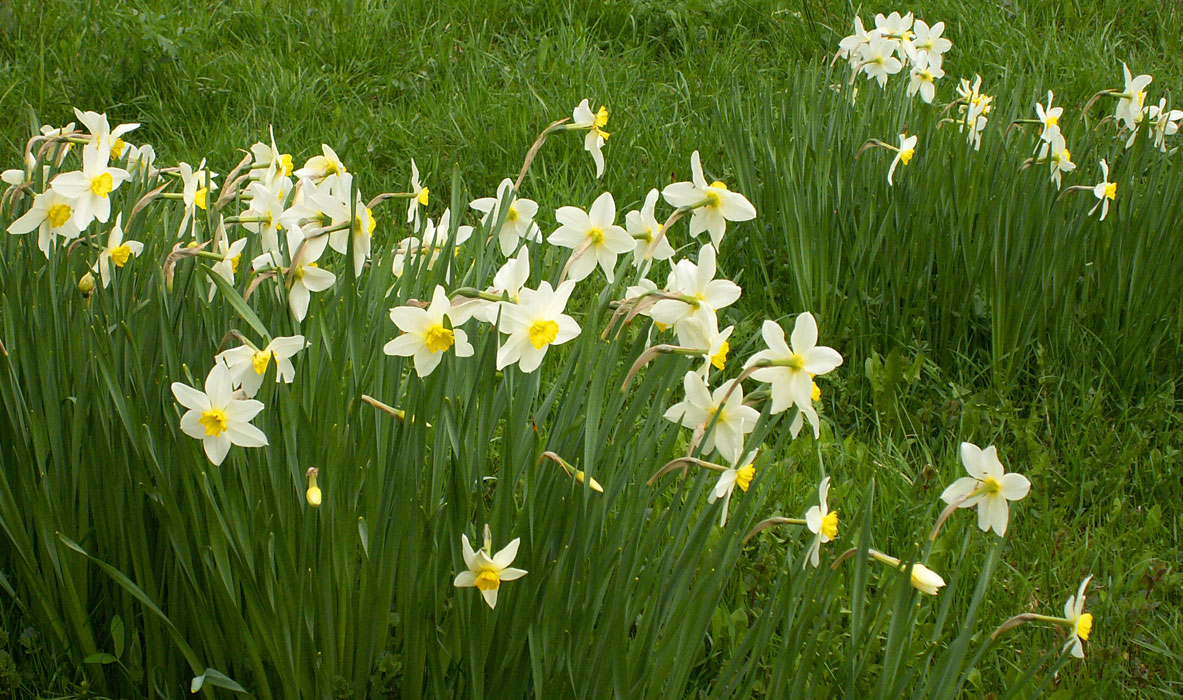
[[231, 295], [217, 679], [100, 658]]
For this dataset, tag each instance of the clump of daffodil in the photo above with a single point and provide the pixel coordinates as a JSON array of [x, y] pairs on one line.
[[486, 570], [594, 123], [313, 494], [988, 488]]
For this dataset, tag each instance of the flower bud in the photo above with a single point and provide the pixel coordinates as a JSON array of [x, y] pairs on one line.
[[86, 284], [313, 495]]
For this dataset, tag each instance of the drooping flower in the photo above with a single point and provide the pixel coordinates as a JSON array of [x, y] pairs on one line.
[[117, 252], [593, 236], [643, 226], [713, 205], [584, 118], [419, 195], [1054, 151], [486, 571], [737, 475], [216, 417], [196, 186], [231, 254], [903, 154], [1081, 622], [988, 487], [426, 337], [248, 365], [822, 522], [534, 325], [1104, 191]]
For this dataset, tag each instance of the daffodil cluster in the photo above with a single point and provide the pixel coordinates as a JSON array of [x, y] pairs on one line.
[[897, 43]]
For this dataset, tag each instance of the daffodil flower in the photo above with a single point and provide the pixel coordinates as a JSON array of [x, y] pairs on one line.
[[1104, 191], [792, 368], [116, 252], [355, 226], [1080, 621], [1163, 123], [486, 571], [508, 283], [593, 236], [534, 325], [924, 77], [701, 406], [420, 195], [102, 136], [89, 188], [903, 154], [140, 160], [877, 59], [270, 166], [1054, 151], [51, 214], [1048, 116], [231, 254], [929, 46], [432, 244], [426, 336], [822, 522], [922, 579], [264, 213], [643, 226], [700, 294], [713, 205], [849, 47], [216, 417], [988, 487], [248, 364], [1132, 99], [319, 167], [895, 28], [519, 217], [583, 118], [737, 475], [196, 186], [305, 274]]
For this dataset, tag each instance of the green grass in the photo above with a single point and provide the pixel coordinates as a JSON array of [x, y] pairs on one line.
[[1085, 402]]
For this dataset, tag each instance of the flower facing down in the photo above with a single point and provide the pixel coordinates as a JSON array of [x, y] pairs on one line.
[[1082, 622], [486, 570], [988, 487], [822, 522], [923, 578], [903, 154], [217, 418], [1104, 191], [116, 252]]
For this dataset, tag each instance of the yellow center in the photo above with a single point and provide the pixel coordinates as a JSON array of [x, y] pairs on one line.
[[59, 214], [512, 214], [199, 197], [1052, 121], [120, 255], [990, 485], [117, 147], [260, 361], [214, 422], [596, 236], [1084, 626], [815, 393], [719, 185], [719, 359], [234, 262], [102, 184], [438, 339], [487, 580], [1110, 190], [423, 196], [743, 477], [906, 155], [602, 117], [712, 199], [366, 222], [299, 273], [661, 326], [830, 525], [543, 333], [286, 161], [795, 362]]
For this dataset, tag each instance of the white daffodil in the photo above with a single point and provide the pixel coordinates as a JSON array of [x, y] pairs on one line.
[[426, 337], [988, 487], [534, 325], [849, 47], [420, 195], [895, 28], [486, 570], [1163, 123], [51, 214], [1104, 191], [196, 186], [643, 227], [822, 522], [216, 417], [928, 44], [701, 405], [519, 217], [272, 168], [973, 110], [1054, 151], [740, 476], [924, 77], [702, 333], [263, 214], [231, 254], [306, 275], [714, 205], [102, 136], [319, 167], [356, 225], [248, 365], [594, 122], [116, 252], [700, 293], [1081, 622], [1132, 99], [793, 367], [903, 154], [432, 244], [140, 160], [593, 236], [923, 578], [89, 188], [877, 59], [1048, 116]]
